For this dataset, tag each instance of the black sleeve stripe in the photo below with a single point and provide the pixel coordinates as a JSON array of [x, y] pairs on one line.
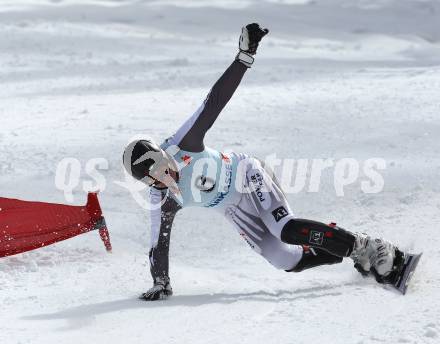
[[159, 263], [190, 136]]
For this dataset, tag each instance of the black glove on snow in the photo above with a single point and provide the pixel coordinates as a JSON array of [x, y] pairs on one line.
[[250, 36], [160, 290]]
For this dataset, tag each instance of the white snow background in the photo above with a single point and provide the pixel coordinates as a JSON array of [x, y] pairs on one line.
[[334, 79]]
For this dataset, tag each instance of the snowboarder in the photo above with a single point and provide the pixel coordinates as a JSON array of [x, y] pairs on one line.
[[183, 172]]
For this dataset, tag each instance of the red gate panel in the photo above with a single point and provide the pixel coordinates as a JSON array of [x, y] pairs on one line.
[[26, 226]]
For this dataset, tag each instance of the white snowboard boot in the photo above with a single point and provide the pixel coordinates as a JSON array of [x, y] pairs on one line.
[[375, 255]]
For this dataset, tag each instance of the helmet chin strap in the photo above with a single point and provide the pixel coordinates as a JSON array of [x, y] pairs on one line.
[[158, 188], [176, 179]]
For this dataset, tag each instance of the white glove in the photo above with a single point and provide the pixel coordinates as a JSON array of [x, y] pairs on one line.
[[250, 36], [161, 290]]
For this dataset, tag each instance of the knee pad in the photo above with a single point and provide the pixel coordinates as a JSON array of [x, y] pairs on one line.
[[313, 257], [331, 238]]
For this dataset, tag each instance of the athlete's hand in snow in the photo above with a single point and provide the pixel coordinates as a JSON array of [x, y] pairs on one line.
[[160, 290], [250, 36]]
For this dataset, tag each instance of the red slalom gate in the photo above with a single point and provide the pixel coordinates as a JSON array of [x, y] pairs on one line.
[[26, 226]]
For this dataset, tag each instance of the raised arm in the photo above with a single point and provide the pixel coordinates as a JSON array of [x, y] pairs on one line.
[[191, 134]]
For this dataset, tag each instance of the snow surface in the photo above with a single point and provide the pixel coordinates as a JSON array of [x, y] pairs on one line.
[[334, 79]]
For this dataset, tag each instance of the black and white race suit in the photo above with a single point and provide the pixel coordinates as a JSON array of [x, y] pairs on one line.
[[234, 184]]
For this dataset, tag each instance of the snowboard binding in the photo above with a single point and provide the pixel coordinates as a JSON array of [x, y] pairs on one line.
[[404, 266]]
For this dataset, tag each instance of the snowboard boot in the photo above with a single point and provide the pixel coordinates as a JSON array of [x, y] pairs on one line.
[[377, 256]]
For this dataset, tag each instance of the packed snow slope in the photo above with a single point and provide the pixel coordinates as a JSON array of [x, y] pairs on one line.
[[334, 79]]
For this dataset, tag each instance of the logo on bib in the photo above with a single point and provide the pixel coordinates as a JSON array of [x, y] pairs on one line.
[[205, 184]]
